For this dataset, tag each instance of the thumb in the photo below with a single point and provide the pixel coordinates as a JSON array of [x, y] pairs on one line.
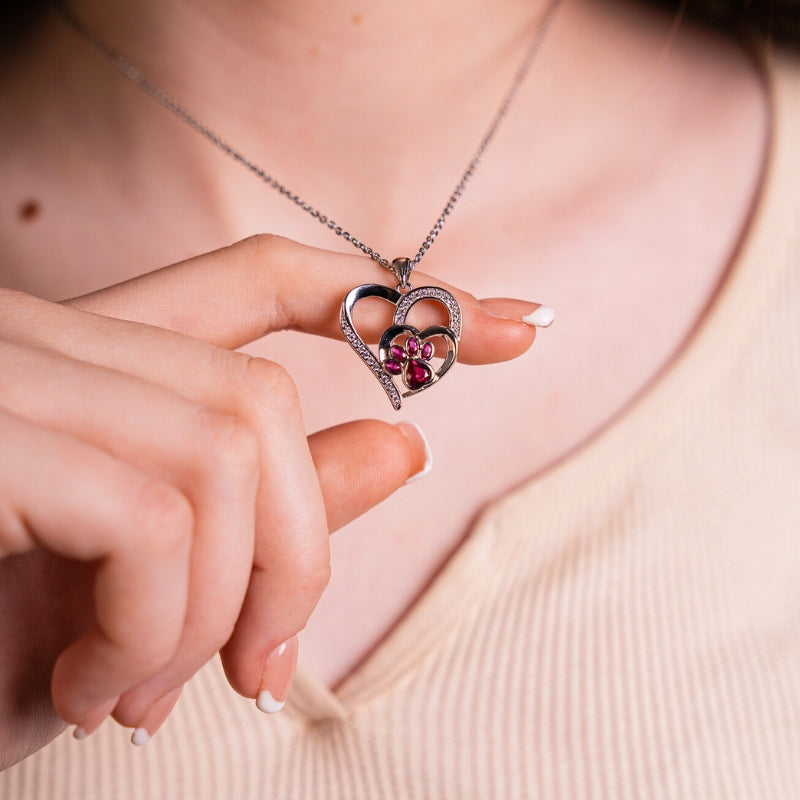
[[361, 463], [266, 283]]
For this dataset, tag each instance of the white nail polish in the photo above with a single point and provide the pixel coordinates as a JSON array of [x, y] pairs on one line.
[[541, 318], [428, 455], [268, 704], [79, 733], [140, 736]]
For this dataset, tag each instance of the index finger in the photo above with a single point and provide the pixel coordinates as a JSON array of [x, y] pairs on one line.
[[267, 283]]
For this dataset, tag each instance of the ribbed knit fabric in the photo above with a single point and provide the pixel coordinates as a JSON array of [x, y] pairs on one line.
[[626, 625]]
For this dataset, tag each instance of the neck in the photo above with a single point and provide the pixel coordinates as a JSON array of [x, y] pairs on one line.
[[322, 77], [197, 45], [340, 106]]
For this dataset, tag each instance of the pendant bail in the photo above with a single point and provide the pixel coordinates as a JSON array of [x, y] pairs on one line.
[[402, 268]]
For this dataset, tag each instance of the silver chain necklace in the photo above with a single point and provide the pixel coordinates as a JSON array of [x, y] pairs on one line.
[[404, 352]]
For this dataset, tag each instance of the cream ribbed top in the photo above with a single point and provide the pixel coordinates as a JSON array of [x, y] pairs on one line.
[[626, 625]]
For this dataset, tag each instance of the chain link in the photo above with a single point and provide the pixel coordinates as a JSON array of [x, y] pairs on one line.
[[135, 75]]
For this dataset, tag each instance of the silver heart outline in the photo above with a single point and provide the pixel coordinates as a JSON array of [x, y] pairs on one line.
[[403, 304]]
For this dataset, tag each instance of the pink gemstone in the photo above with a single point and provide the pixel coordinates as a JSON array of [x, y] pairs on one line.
[[427, 350], [412, 345], [418, 374], [398, 354], [393, 367]]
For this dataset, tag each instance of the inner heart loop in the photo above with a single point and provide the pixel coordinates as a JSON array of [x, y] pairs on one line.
[[404, 352]]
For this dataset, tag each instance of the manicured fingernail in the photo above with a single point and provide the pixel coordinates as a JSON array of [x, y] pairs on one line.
[[140, 736], [155, 716], [94, 719], [541, 318], [518, 311], [413, 431], [277, 677]]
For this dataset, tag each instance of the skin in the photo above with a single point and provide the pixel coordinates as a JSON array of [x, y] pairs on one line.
[[185, 484], [616, 192]]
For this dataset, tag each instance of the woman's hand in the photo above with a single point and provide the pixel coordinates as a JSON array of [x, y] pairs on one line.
[[159, 499]]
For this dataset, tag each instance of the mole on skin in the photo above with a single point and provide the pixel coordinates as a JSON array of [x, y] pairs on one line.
[[29, 211]]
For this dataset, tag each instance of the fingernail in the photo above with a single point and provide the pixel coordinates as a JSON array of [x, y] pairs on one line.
[[413, 431], [154, 717], [277, 677], [140, 737], [94, 719], [541, 318], [518, 311]]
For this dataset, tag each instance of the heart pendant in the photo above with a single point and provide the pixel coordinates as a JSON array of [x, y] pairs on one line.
[[404, 353]]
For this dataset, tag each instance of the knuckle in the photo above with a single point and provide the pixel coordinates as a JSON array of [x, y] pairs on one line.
[[167, 516], [264, 246], [265, 256], [142, 655], [264, 384], [261, 241], [268, 379], [226, 443], [153, 653], [313, 574]]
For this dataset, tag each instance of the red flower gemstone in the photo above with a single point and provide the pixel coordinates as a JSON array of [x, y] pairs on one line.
[[398, 354], [418, 374], [392, 366], [427, 350], [412, 345]]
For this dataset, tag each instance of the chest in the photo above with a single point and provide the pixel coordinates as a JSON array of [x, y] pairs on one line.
[[622, 254]]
